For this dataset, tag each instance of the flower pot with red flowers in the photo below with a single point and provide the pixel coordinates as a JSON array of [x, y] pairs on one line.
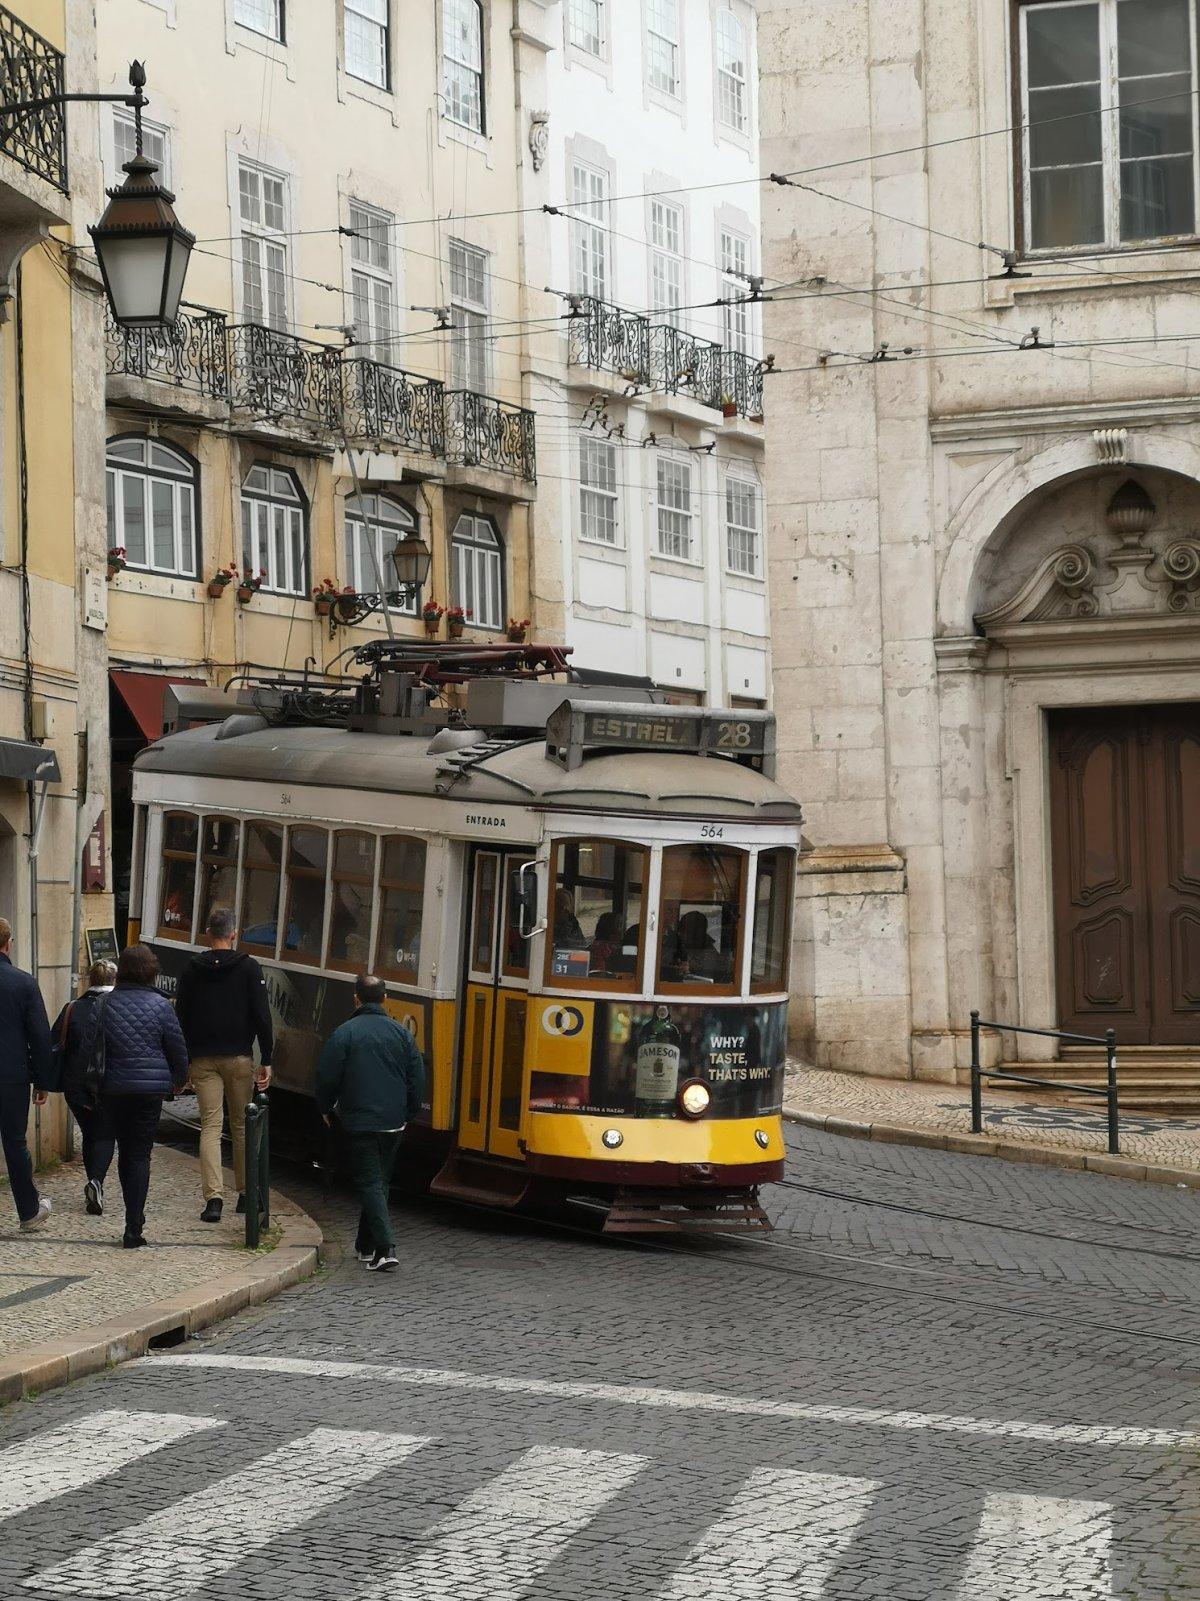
[[220, 581], [324, 596], [517, 630], [728, 407], [431, 616], [456, 621], [249, 584], [116, 560]]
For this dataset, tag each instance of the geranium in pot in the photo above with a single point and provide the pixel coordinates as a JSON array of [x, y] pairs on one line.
[[431, 616], [456, 621], [324, 596], [116, 560], [517, 630], [221, 580], [249, 584]]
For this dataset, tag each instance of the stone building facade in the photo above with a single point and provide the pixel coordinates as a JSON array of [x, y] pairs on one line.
[[983, 484]]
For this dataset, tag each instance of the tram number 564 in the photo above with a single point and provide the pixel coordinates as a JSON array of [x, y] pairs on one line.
[[712, 831]]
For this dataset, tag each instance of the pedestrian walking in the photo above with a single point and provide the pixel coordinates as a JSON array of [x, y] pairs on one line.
[[372, 1077], [26, 1071], [223, 1009], [136, 1033], [71, 1029]]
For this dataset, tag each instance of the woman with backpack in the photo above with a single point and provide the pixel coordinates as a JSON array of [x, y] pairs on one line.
[[71, 1029], [135, 1047]]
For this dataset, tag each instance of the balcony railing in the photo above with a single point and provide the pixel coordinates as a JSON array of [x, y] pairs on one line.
[[610, 340], [683, 365], [32, 69], [742, 382], [280, 376], [482, 432], [392, 406], [193, 355]]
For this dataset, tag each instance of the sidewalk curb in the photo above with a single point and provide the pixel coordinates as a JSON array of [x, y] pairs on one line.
[[103, 1345], [1122, 1167]]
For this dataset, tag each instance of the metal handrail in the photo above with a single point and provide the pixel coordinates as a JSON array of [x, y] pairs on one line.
[[258, 1168], [979, 1072]]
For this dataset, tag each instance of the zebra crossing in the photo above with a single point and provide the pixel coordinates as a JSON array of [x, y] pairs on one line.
[[780, 1534]]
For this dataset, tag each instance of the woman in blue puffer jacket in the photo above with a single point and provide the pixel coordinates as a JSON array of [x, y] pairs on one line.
[[145, 1060]]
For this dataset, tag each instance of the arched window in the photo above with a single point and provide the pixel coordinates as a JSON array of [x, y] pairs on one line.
[[152, 505], [375, 525], [462, 62], [731, 71], [274, 530], [477, 570]]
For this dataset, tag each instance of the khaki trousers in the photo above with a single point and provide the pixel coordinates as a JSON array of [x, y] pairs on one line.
[[220, 1080]]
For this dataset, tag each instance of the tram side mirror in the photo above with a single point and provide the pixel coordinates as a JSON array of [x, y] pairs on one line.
[[527, 898]]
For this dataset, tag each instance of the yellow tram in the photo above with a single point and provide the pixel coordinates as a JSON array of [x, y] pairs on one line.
[[579, 897]]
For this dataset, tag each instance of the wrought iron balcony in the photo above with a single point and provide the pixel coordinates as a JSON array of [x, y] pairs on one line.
[[742, 382], [193, 355], [482, 432], [683, 365], [610, 340], [279, 376], [32, 69], [394, 407]]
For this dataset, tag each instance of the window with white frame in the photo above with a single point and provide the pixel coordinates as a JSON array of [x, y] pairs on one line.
[[731, 71], [735, 286], [598, 505], [662, 45], [372, 282], [585, 25], [589, 230], [666, 259], [743, 539], [151, 494], [477, 570], [674, 511], [1108, 103], [375, 525], [469, 315], [367, 32], [462, 62], [262, 208], [274, 530], [261, 16], [156, 144]]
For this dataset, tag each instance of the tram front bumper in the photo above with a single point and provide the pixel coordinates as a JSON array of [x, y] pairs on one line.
[[662, 1151]]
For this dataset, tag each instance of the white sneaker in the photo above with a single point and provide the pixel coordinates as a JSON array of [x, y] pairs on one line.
[[43, 1212], [93, 1198], [382, 1262], [364, 1256]]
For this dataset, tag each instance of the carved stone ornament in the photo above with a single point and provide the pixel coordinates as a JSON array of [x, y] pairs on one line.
[[1112, 446], [539, 137], [1076, 582]]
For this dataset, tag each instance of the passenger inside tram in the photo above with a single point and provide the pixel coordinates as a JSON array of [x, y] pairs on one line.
[[567, 932]]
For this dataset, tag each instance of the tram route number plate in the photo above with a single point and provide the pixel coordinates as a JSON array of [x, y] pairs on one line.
[[739, 735]]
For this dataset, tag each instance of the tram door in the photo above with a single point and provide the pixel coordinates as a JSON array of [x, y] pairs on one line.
[[496, 1001]]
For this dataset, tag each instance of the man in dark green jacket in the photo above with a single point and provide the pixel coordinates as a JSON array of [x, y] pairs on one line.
[[373, 1076]]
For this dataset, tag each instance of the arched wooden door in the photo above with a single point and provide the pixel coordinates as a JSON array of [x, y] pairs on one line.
[[1125, 826]]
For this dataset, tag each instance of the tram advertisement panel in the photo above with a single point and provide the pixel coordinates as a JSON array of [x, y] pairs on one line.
[[614, 1058], [305, 1010]]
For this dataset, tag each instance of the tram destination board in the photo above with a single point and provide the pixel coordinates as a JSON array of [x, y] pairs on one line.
[[579, 727]]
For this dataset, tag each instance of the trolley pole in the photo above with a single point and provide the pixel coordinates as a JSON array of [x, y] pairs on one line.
[[258, 1168], [976, 1084]]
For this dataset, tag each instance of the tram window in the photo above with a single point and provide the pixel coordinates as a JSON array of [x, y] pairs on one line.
[[596, 913], [350, 901], [262, 861], [178, 886], [516, 945], [772, 920], [401, 893], [304, 924], [701, 915], [218, 865], [483, 929]]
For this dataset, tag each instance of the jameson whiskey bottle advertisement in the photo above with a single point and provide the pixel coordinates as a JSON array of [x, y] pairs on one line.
[[657, 1063]]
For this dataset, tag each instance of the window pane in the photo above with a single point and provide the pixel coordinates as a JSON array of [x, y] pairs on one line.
[[1162, 127], [402, 881], [134, 523], [701, 909], [366, 40], [218, 880], [264, 16], [180, 832], [1066, 207], [308, 849], [1058, 135], [350, 912], [772, 920], [586, 25], [187, 542], [262, 859], [1152, 36], [596, 913], [163, 504], [178, 886], [1157, 198], [1063, 44], [515, 953]]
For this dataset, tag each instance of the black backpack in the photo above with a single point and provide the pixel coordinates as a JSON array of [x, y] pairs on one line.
[[92, 1071]]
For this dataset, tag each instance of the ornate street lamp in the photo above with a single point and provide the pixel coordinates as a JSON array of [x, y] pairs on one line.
[[411, 559], [142, 247]]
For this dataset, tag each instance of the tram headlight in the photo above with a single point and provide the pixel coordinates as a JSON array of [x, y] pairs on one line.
[[611, 1138], [694, 1098], [762, 1138]]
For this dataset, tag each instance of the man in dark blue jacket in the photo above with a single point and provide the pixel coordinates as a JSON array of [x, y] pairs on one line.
[[25, 1068], [372, 1074]]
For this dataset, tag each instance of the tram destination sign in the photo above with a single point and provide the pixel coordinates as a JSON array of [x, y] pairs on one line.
[[579, 727]]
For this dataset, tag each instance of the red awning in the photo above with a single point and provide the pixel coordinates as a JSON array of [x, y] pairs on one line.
[[143, 693]]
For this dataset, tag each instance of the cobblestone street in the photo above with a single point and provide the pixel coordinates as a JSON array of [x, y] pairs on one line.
[[943, 1379]]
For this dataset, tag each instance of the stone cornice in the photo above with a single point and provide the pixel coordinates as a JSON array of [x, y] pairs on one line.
[[969, 426]]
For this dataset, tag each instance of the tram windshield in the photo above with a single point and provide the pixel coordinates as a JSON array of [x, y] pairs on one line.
[[702, 888], [597, 902], [771, 915]]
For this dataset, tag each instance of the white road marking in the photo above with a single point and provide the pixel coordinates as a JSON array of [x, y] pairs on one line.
[[781, 1536], [77, 1454], [512, 1528], [695, 1400], [1039, 1547], [189, 1544]]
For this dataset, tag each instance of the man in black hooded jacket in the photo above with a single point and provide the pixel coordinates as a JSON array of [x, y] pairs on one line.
[[222, 1008]]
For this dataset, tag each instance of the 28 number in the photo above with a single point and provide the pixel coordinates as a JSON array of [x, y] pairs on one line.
[[733, 736]]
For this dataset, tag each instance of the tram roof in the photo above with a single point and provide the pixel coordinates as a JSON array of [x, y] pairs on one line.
[[492, 771]]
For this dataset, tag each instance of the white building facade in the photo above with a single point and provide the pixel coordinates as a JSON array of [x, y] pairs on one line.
[[643, 140], [984, 486]]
